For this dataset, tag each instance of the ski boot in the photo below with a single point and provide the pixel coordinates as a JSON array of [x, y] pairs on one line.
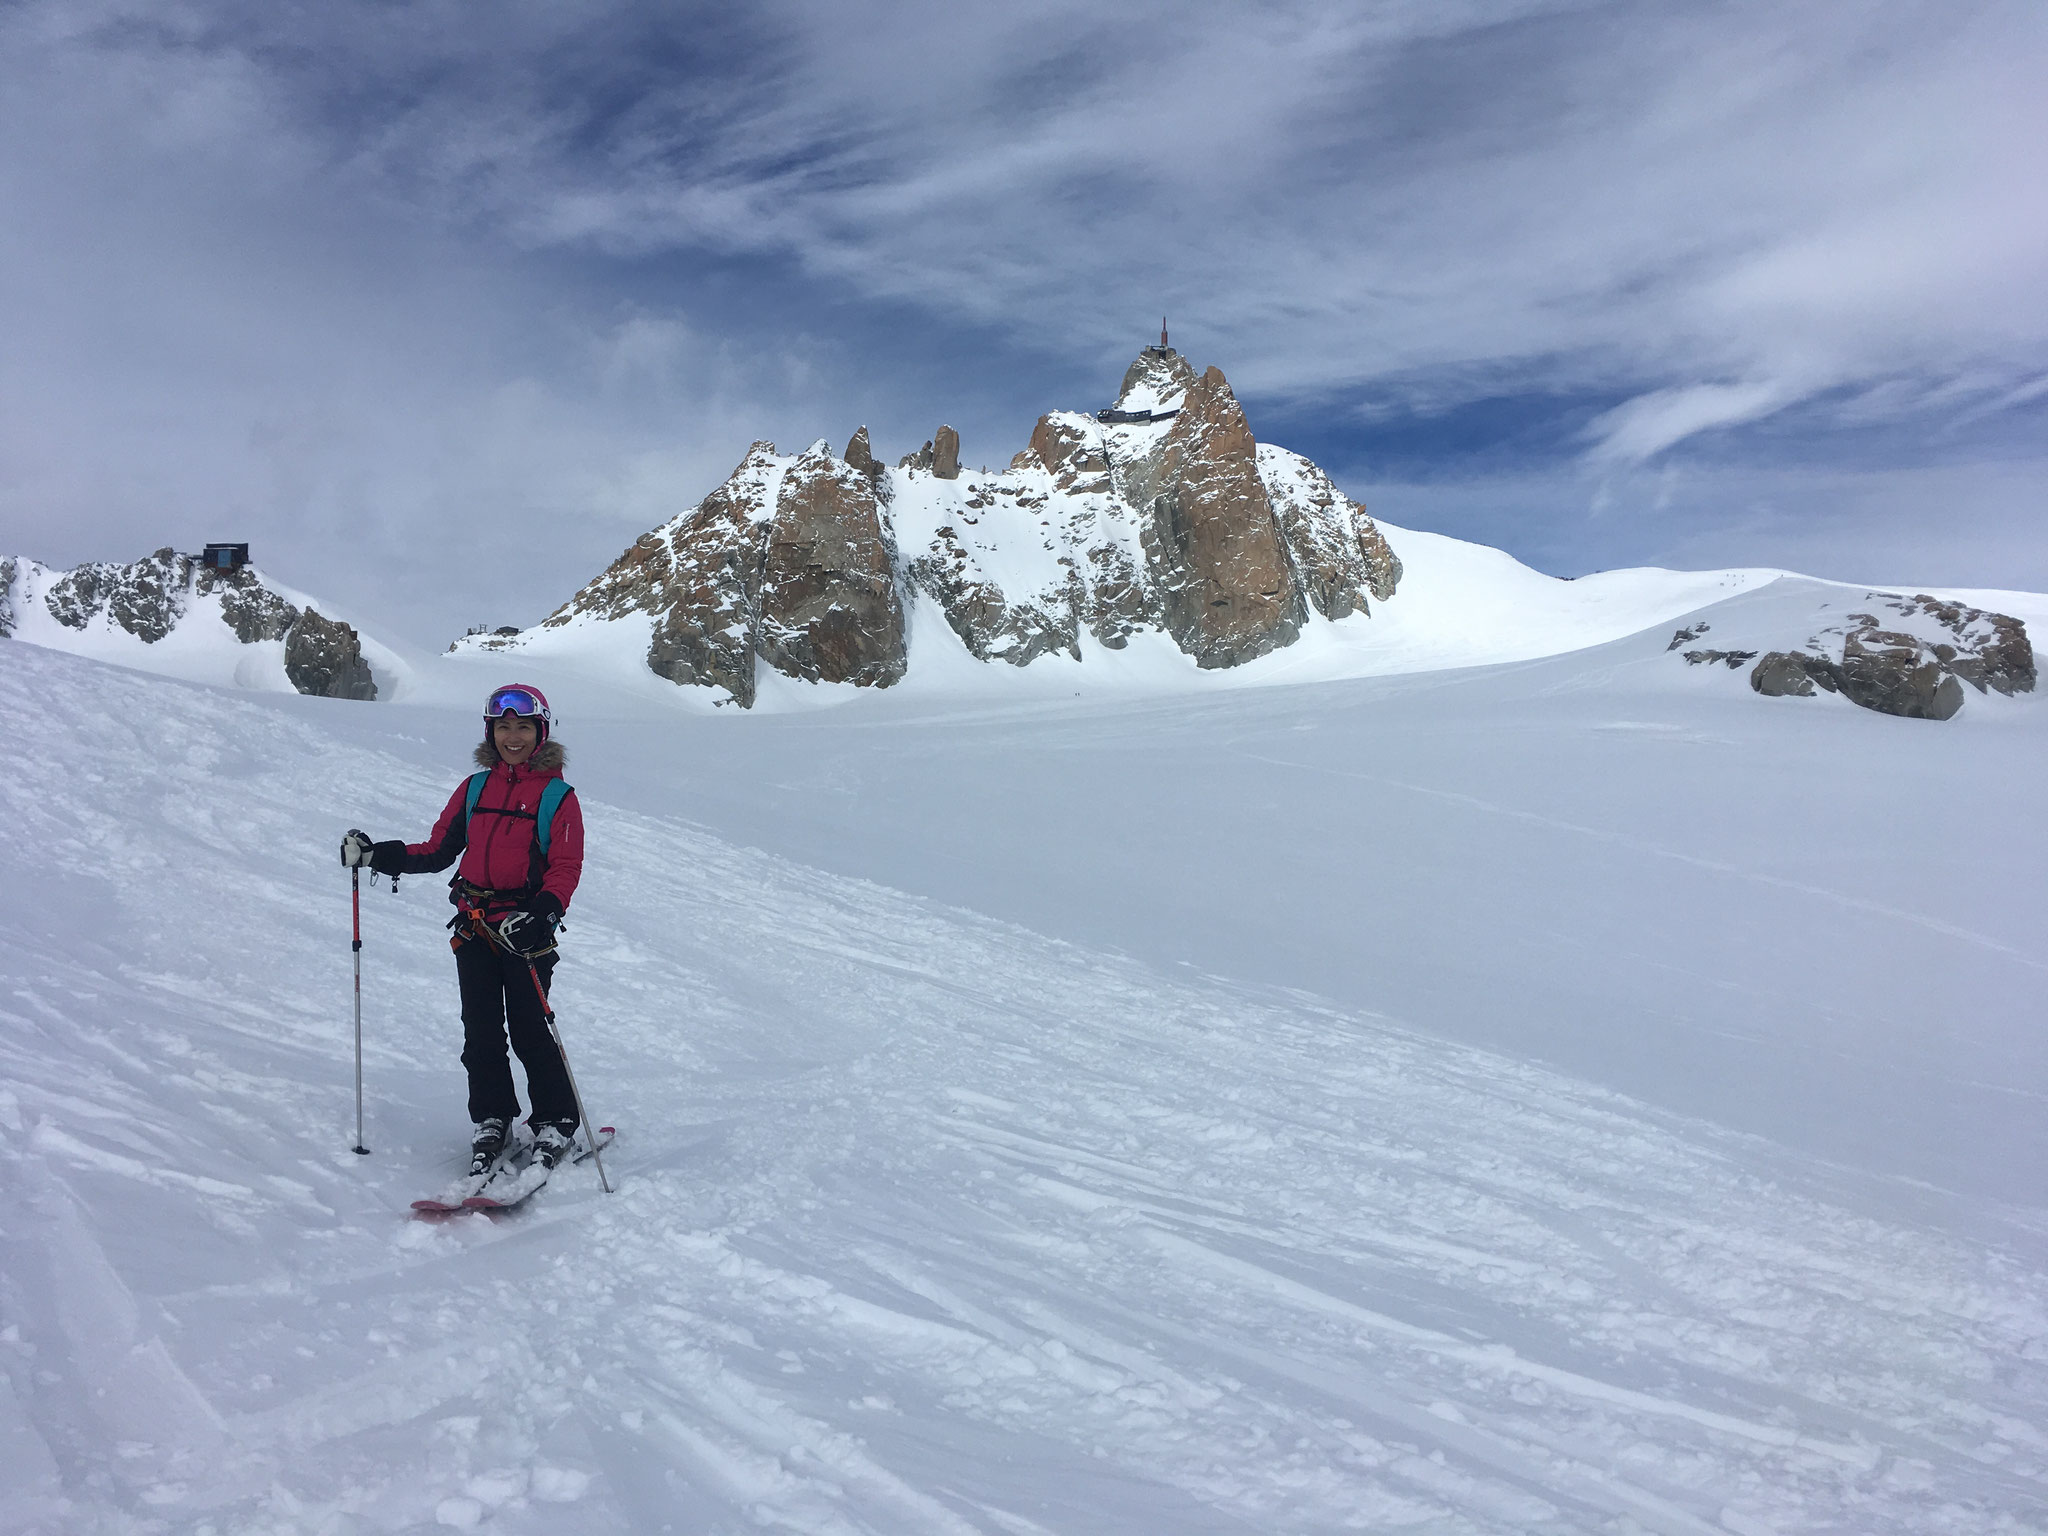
[[552, 1141], [486, 1145]]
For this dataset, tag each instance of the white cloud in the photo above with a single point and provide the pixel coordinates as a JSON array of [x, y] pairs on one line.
[[1645, 426]]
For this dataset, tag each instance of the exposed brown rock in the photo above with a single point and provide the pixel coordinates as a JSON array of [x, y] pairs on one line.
[[1382, 566], [1211, 542], [252, 610], [323, 657], [1897, 671], [829, 607], [989, 624], [1991, 650], [1071, 452], [1154, 379], [862, 457], [700, 578], [1161, 520], [147, 598], [1734, 661], [1783, 674], [1339, 554], [1897, 674]]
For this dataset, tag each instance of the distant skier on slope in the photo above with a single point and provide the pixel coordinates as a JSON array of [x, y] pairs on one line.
[[520, 864]]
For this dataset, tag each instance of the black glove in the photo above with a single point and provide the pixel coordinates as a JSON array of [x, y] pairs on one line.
[[355, 849], [531, 929], [388, 858]]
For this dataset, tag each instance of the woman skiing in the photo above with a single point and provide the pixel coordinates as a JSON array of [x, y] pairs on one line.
[[519, 832]]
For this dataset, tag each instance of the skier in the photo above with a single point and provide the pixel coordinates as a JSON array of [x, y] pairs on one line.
[[521, 845]]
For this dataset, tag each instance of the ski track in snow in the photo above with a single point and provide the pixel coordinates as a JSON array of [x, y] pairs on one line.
[[926, 1224]]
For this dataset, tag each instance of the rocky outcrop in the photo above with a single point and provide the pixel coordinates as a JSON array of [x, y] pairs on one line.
[[7, 565], [1339, 553], [999, 524], [1897, 674], [861, 456], [1782, 675], [1161, 514], [255, 613], [1907, 656], [152, 597], [710, 626], [1212, 544], [146, 599], [1889, 672], [830, 611], [1098, 533], [699, 578], [324, 658], [1989, 651], [1156, 382], [1734, 661]]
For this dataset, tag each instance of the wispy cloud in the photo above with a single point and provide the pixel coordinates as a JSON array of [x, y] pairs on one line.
[[1648, 424]]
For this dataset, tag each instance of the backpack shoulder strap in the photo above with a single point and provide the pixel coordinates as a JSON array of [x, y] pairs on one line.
[[474, 793], [555, 792]]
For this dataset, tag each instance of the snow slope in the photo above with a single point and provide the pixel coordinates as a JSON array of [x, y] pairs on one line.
[[1007, 1221]]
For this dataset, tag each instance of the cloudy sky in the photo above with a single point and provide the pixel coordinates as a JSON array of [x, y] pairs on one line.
[[441, 304]]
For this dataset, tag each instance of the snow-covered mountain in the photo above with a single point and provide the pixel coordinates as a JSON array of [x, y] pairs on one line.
[[1143, 545], [173, 614], [1161, 514]]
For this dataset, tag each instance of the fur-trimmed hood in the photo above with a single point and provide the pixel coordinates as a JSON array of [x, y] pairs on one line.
[[549, 756]]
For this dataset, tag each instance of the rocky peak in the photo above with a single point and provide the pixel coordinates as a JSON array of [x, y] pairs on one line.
[[1156, 381], [150, 598], [1211, 539], [1166, 516], [861, 456], [940, 455]]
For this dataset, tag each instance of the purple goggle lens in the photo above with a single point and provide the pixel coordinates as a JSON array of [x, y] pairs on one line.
[[515, 701]]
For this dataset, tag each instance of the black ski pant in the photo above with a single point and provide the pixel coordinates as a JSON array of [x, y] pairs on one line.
[[497, 998]]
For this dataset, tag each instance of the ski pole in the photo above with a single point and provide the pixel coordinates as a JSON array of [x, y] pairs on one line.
[[589, 1134], [355, 891]]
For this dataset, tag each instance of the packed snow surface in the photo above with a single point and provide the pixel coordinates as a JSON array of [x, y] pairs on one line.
[[1574, 1095]]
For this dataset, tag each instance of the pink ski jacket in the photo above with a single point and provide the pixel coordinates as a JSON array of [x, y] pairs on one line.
[[497, 843]]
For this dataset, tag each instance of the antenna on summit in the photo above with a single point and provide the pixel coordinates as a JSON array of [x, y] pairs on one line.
[[1162, 334]]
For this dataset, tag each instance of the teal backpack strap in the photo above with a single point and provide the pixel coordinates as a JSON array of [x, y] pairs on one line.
[[550, 797], [473, 794]]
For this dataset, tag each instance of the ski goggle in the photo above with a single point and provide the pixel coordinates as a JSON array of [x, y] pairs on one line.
[[515, 701]]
